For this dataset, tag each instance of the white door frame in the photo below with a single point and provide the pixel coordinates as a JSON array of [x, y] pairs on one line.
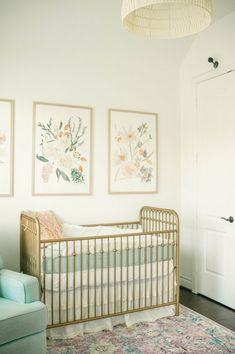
[[195, 82]]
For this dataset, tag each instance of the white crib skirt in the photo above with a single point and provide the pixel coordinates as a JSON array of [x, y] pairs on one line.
[[108, 323]]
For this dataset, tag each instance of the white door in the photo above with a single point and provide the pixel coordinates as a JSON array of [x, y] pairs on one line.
[[216, 188]]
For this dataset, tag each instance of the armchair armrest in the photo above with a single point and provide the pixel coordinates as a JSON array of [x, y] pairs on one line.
[[18, 287], [1, 262]]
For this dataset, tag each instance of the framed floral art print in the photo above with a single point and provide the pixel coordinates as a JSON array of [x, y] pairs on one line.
[[132, 152], [62, 149], [6, 147]]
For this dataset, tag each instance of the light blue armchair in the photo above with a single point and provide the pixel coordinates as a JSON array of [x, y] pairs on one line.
[[23, 318]]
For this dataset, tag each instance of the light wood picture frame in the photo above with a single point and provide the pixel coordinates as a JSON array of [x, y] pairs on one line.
[[132, 152], [7, 108], [62, 153]]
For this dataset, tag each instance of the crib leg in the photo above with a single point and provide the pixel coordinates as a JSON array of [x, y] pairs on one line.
[[177, 306], [177, 309]]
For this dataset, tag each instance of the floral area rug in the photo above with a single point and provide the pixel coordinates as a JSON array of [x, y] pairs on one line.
[[188, 333]]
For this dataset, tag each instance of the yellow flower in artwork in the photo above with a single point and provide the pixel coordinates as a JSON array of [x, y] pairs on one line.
[[126, 136], [137, 163], [120, 157], [119, 138], [130, 135], [67, 127]]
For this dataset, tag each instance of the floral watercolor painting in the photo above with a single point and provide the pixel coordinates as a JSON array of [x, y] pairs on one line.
[[133, 152], [6, 147], [62, 149]]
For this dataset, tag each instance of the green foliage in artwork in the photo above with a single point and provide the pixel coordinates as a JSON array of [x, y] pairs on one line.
[[60, 173], [42, 158], [77, 176], [64, 176]]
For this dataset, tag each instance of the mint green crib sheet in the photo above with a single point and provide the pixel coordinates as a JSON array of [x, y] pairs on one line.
[[53, 263]]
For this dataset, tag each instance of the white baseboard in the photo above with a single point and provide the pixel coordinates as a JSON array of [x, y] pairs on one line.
[[186, 282]]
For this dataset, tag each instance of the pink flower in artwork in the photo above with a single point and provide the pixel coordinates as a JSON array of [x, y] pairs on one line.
[[2, 138], [47, 169], [128, 171]]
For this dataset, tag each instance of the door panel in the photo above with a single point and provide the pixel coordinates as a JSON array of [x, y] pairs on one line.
[[214, 252], [216, 188]]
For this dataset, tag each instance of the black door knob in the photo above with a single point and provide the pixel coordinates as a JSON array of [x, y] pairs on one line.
[[229, 219]]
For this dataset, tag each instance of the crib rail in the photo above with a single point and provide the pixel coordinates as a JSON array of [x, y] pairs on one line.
[[90, 278]]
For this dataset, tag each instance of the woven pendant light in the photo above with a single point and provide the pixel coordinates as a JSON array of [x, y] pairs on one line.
[[166, 18]]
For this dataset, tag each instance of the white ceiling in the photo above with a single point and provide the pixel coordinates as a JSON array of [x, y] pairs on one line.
[[222, 8], [44, 22]]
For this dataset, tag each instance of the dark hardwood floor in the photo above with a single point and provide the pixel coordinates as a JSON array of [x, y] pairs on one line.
[[208, 308]]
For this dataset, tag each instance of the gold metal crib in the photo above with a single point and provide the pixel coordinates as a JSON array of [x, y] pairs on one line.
[[89, 278]]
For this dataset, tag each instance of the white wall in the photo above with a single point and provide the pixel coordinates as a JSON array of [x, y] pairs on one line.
[[76, 52], [217, 41]]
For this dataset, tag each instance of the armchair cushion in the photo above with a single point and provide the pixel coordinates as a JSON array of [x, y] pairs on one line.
[[18, 287], [19, 320]]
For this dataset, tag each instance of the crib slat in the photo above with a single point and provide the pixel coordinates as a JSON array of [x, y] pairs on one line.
[[44, 273], [177, 264], [88, 278], [52, 285], [115, 274], [59, 282], [151, 271], [156, 247], [145, 271], [95, 278], [102, 277], [74, 281], [168, 261], [121, 265], [127, 272], [81, 279], [173, 266], [162, 256], [139, 270], [67, 283], [108, 276], [133, 273]]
